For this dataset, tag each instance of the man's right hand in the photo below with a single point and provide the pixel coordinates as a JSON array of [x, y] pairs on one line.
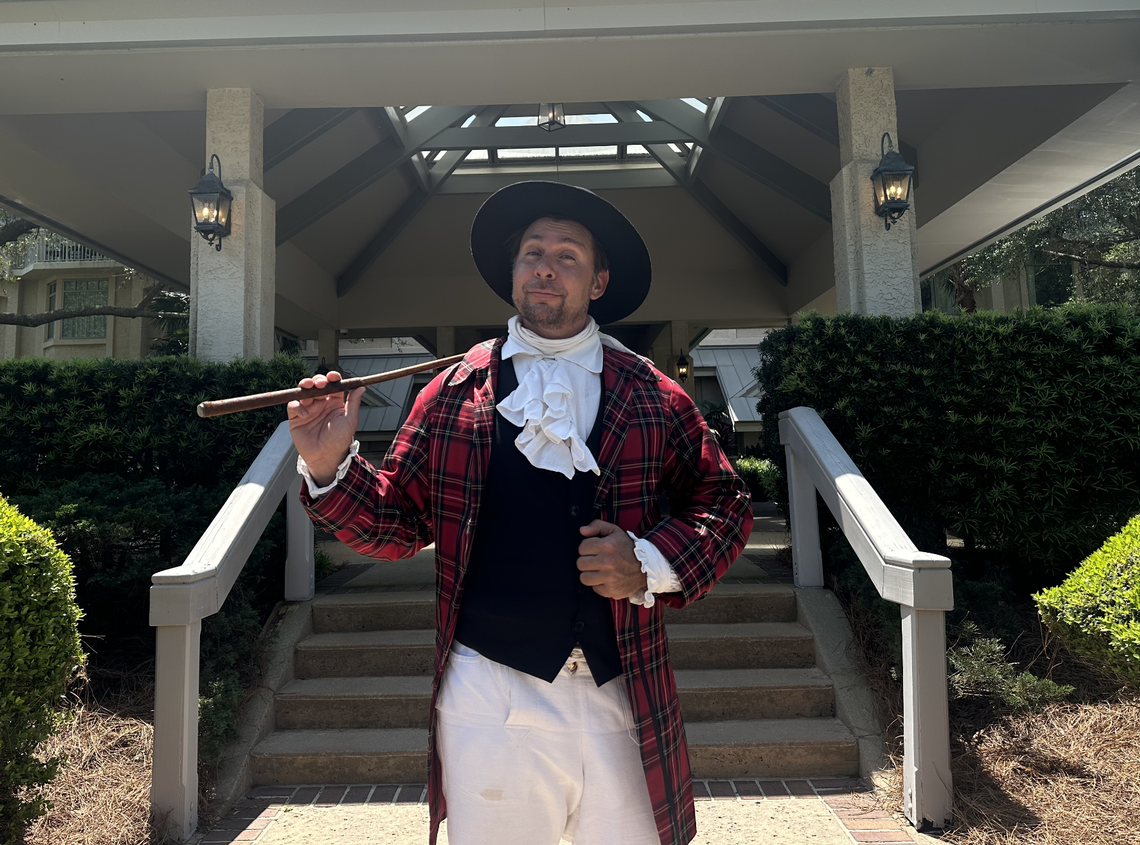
[[323, 427]]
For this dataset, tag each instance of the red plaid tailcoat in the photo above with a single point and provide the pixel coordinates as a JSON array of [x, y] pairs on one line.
[[654, 442]]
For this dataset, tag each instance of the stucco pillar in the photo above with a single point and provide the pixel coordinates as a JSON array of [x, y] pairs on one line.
[[328, 349], [445, 341], [232, 291], [876, 271]]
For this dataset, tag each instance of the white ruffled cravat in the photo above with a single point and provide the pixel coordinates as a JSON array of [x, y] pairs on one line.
[[557, 399]]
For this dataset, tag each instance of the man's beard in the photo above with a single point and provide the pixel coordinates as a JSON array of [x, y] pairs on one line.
[[544, 315]]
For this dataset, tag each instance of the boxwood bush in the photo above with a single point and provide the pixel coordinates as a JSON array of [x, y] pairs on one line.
[[39, 656], [1019, 433], [1096, 611]]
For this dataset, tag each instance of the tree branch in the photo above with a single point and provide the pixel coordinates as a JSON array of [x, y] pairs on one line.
[[13, 229], [1099, 262], [93, 311]]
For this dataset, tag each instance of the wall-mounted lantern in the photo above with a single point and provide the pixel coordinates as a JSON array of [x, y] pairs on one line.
[[551, 116], [892, 181], [682, 367], [212, 203]]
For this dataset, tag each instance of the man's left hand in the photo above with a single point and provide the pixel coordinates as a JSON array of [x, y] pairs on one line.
[[607, 562]]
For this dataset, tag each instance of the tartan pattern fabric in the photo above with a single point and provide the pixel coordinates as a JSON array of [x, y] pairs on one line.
[[654, 443]]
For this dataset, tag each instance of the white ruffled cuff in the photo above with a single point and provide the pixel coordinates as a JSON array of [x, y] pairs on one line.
[[659, 575], [342, 468]]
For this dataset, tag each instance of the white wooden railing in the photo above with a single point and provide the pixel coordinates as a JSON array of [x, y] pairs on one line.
[[182, 597], [920, 583], [50, 247]]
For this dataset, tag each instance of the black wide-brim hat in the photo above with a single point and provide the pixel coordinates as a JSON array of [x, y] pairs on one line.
[[517, 206]]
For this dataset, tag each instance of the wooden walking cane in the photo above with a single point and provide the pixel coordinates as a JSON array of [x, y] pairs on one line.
[[283, 397]]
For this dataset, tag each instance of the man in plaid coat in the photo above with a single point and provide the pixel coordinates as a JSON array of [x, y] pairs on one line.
[[553, 555]]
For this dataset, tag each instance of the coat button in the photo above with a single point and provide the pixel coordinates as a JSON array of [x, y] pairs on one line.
[[573, 510], [579, 627]]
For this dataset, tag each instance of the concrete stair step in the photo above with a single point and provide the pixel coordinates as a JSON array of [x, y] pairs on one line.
[[756, 748], [740, 694], [369, 702], [398, 755], [385, 611], [404, 610], [403, 701], [741, 645], [363, 653], [730, 603], [772, 748], [738, 645]]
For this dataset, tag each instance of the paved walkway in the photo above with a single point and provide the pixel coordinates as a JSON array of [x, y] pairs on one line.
[[741, 812]]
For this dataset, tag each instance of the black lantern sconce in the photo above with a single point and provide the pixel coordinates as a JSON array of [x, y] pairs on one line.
[[212, 204], [551, 116], [892, 181], [682, 367]]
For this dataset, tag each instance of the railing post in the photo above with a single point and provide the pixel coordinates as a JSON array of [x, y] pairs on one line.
[[927, 784], [807, 562], [174, 780], [299, 577]]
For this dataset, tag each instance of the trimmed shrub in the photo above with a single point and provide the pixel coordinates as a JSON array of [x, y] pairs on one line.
[[763, 479], [113, 457], [133, 419], [1019, 432], [39, 656], [1096, 611]]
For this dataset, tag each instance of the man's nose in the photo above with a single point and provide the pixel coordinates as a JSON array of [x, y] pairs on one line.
[[544, 269]]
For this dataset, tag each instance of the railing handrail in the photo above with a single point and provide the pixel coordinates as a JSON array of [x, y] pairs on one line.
[[876, 536], [181, 597], [919, 582]]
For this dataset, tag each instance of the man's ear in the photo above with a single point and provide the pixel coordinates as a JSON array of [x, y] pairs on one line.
[[599, 286]]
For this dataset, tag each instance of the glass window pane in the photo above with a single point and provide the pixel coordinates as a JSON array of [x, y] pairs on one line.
[[636, 150], [588, 151], [525, 120], [82, 293], [529, 152], [695, 103], [477, 155], [590, 118]]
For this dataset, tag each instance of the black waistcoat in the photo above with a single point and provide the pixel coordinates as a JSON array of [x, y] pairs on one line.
[[523, 604]]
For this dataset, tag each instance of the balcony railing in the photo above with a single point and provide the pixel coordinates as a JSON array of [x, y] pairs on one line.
[[49, 247]]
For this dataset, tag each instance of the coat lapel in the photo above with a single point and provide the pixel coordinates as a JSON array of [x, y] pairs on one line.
[[618, 398]]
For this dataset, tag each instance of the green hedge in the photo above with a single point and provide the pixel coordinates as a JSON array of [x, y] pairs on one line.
[[1096, 611], [133, 419], [39, 656], [762, 477], [1019, 432], [113, 458]]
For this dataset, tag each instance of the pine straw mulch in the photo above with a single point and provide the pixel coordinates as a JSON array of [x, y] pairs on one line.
[[101, 795], [1067, 774]]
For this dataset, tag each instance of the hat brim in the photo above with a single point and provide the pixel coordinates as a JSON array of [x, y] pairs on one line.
[[516, 206]]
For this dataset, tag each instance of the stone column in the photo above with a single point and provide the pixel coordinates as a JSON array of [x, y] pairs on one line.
[[232, 291], [328, 349], [876, 271]]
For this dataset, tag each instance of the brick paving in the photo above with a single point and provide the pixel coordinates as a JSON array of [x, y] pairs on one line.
[[848, 799]]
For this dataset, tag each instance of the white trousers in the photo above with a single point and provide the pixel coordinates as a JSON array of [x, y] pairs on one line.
[[529, 763]]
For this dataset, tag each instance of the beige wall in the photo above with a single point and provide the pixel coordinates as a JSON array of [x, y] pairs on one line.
[[126, 337]]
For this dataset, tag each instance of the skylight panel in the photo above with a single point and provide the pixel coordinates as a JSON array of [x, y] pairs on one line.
[[415, 112], [644, 116], [478, 155], [524, 120], [468, 121], [699, 105], [527, 152], [590, 118], [636, 150], [588, 151]]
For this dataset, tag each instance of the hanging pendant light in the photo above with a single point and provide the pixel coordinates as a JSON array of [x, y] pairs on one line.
[[551, 116]]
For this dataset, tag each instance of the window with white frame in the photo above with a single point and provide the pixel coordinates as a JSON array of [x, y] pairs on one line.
[[84, 293]]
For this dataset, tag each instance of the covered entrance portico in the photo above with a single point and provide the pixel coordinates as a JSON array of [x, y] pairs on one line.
[[354, 198], [738, 138]]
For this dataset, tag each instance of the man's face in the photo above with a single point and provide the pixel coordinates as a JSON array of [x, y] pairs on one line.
[[554, 281]]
